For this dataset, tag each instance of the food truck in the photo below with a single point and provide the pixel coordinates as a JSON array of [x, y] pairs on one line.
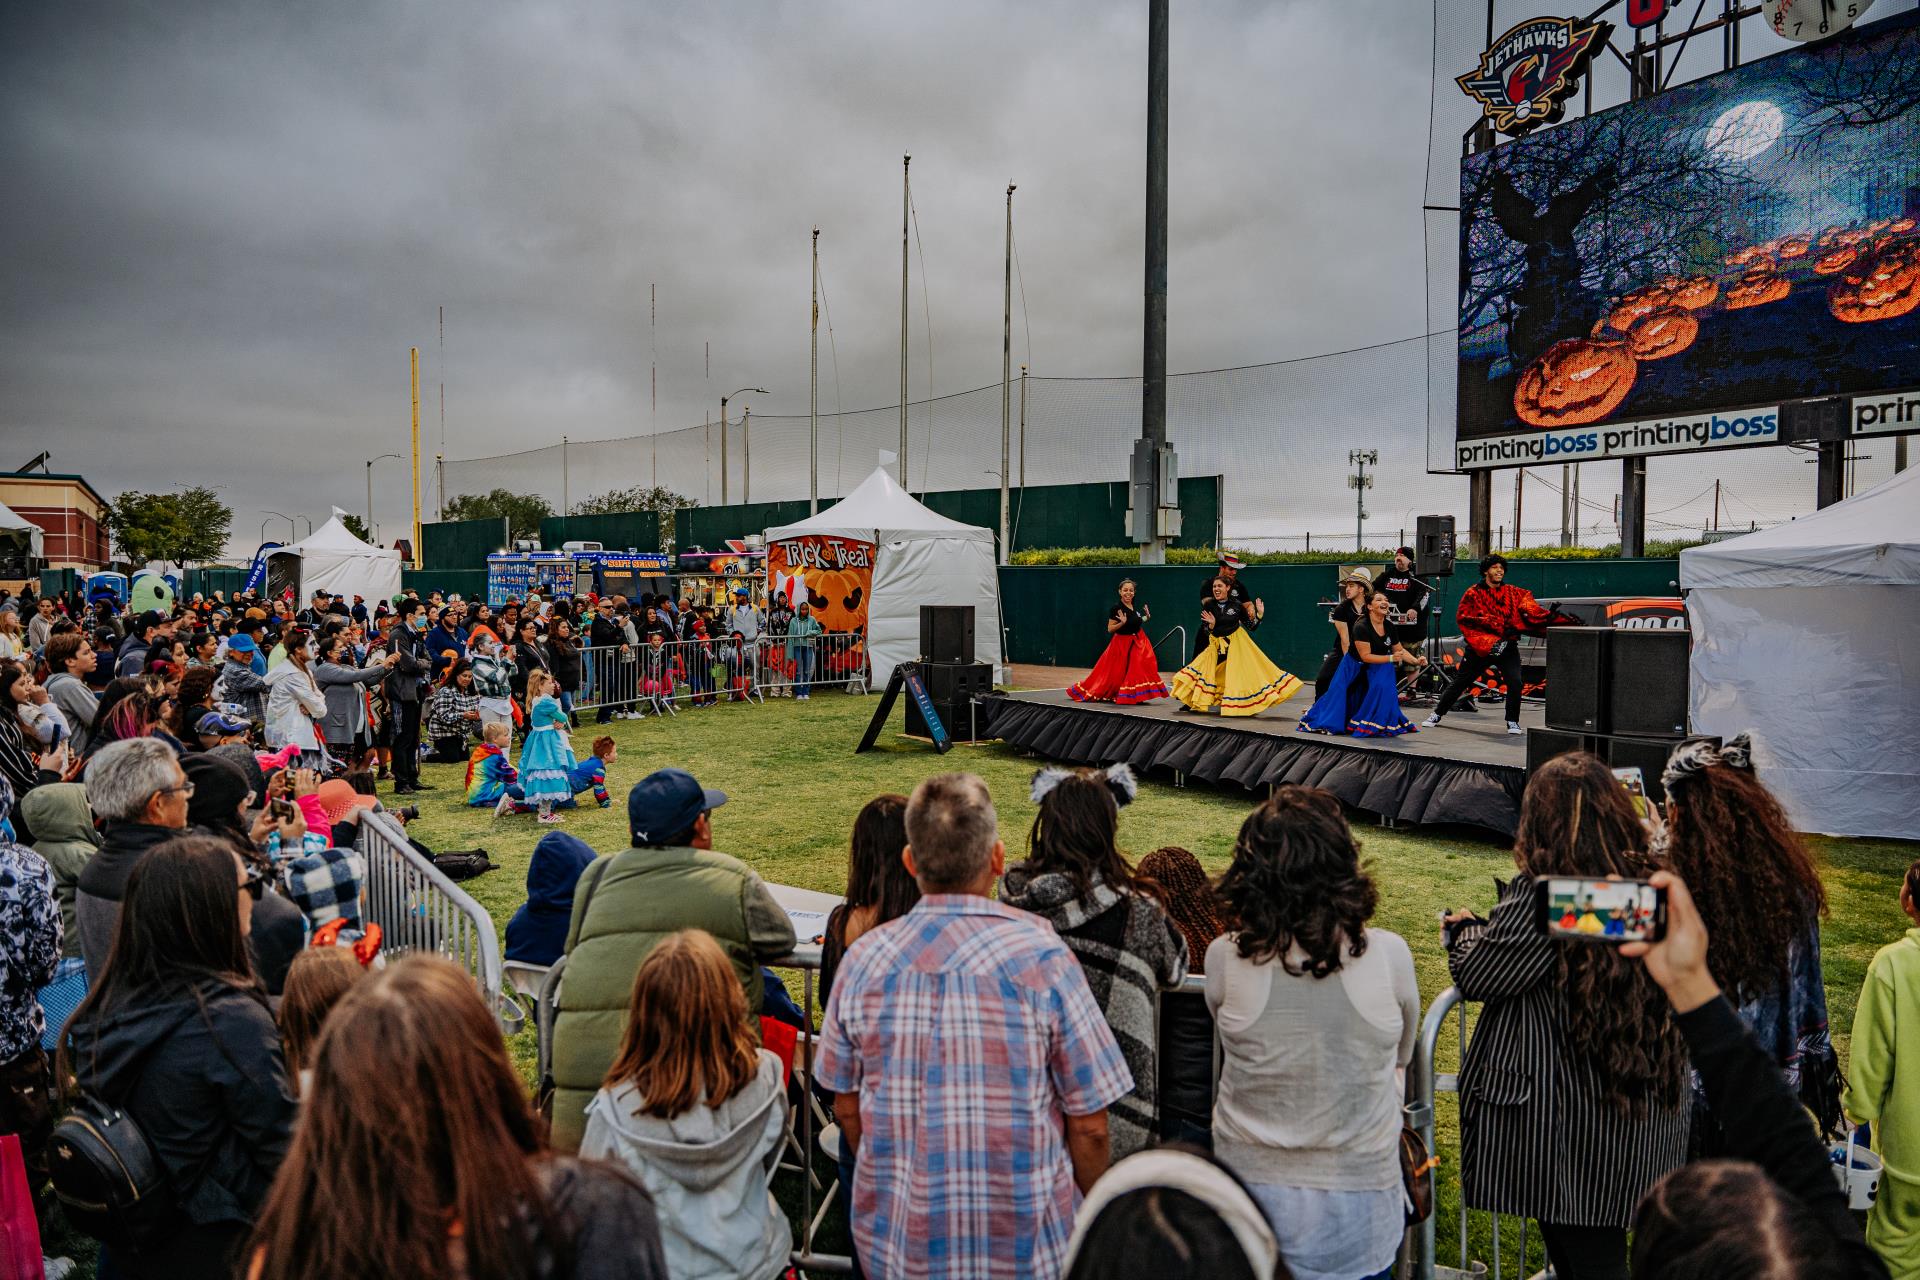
[[577, 569]]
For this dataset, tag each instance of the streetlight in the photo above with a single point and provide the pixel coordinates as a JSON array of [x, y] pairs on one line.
[[723, 434], [370, 461], [291, 534]]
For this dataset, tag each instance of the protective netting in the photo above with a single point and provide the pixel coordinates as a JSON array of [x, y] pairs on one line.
[[1280, 434]]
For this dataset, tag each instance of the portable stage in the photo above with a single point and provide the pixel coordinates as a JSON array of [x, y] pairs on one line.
[[1469, 771]]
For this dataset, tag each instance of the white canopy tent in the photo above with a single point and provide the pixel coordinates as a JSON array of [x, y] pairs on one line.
[[332, 559], [1803, 636], [19, 532], [920, 557]]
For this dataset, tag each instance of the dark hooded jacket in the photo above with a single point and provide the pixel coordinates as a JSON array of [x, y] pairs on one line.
[[278, 929], [204, 1080], [103, 883], [63, 834], [537, 934]]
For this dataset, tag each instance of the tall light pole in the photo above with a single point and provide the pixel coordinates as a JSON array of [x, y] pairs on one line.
[[370, 461], [1006, 390], [813, 388], [1152, 478], [723, 434], [413, 363], [906, 209], [291, 534], [1360, 482]]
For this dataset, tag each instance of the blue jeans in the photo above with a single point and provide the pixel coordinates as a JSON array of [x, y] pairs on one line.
[[802, 672]]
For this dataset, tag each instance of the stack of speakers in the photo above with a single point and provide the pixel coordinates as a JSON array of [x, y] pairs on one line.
[[952, 677], [1620, 693]]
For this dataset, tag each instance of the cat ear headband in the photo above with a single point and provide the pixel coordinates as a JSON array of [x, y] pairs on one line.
[[1691, 758], [1118, 778]]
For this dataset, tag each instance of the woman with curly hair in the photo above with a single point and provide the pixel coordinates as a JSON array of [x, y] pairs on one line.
[[1733, 844], [1110, 918], [1573, 1094], [1316, 1014]]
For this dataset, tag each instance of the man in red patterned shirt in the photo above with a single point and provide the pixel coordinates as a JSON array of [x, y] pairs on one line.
[[1493, 616]]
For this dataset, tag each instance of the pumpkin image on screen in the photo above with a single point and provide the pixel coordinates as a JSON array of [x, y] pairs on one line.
[[1833, 263], [1574, 381], [1694, 292], [1883, 285], [1640, 302], [1662, 333], [1900, 226], [1794, 247], [1757, 288]]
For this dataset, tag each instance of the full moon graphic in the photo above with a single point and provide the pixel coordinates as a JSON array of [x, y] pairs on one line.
[[1744, 131]]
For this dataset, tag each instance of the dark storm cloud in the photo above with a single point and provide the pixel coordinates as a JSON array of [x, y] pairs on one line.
[[226, 224]]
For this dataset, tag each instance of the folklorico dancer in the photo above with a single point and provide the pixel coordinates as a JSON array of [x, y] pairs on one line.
[[1363, 698], [1347, 614], [1128, 673], [1230, 567], [1230, 674], [1493, 616]]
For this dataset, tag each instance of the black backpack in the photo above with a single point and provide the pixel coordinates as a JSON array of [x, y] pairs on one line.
[[464, 864], [108, 1179]]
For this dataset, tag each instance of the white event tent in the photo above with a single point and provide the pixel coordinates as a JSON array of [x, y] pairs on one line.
[[332, 559], [920, 557], [1803, 636], [21, 533]]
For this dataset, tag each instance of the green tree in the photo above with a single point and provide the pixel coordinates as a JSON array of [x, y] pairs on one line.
[[357, 527], [185, 526], [662, 502], [523, 512]]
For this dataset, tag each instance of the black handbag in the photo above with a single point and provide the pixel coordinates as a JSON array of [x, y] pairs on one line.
[[108, 1179]]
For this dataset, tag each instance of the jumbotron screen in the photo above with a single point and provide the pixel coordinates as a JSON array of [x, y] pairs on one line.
[[1663, 275]]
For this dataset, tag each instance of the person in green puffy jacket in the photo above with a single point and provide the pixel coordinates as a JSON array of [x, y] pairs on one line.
[[627, 904], [64, 835]]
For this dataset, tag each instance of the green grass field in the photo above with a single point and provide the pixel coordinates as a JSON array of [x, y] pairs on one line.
[[795, 785]]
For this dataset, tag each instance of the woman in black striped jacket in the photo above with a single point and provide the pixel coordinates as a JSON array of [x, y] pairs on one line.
[[1573, 1094]]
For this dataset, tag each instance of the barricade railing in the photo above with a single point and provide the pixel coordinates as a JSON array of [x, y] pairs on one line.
[[419, 909], [662, 678]]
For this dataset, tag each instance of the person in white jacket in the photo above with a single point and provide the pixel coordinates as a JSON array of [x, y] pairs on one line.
[[697, 1112], [295, 703]]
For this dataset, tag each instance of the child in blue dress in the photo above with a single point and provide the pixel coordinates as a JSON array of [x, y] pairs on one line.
[[546, 758]]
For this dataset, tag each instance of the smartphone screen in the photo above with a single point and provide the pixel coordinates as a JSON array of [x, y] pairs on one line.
[[1610, 911], [1635, 784]]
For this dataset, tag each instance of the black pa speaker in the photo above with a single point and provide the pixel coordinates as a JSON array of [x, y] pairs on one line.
[[1577, 667], [1433, 547], [1544, 744], [946, 633], [1648, 755], [956, 681], [1646, 682], [959, 715]]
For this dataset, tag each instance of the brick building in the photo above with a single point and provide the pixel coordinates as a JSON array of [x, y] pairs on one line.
[[68, 508]]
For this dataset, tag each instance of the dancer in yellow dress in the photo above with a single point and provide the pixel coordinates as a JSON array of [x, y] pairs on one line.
[[1230, 674]]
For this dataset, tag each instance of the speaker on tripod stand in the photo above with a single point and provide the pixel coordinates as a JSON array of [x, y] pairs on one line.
[[1433, 546]]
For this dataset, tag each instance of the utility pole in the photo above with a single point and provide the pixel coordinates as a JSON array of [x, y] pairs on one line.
[[566, 498], [746, 454], [1023, 433], [1360, 482], [813, 389], [1519, 484], [906, 211], [1566, 504], [413, 379], [739, 391], [1153, 463], [1006, 391], [439, 480]]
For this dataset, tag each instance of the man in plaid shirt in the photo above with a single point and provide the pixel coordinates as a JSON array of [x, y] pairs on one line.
[[973, 1068]]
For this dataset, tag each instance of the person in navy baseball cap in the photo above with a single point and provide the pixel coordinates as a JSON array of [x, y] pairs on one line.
[[664, 806]]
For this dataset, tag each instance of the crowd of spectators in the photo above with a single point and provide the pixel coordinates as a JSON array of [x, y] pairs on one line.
[[1021, 1077]]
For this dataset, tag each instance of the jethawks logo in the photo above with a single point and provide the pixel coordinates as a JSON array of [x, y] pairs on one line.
[[1524, 80]]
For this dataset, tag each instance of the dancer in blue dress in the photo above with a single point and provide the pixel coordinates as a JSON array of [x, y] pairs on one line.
[[1362, 699], [546, 759]]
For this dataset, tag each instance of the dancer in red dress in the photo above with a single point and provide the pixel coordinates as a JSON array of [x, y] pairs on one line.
[[1127, 672]]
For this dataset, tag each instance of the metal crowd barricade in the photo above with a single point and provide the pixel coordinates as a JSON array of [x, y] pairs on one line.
[[419, 909], [650, 679]]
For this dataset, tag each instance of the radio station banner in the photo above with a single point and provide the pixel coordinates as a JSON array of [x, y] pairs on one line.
[[834, 575], [1621, 439]]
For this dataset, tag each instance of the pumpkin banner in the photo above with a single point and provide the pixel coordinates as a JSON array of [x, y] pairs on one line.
[[835, 576]]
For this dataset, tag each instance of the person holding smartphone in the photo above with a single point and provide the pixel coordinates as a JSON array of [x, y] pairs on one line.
[[1573, 1092]]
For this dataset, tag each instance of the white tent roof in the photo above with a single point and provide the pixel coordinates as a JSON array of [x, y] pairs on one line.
[[334, 538], [879, 510], [1872, 538], [332, 559], [12, 523]]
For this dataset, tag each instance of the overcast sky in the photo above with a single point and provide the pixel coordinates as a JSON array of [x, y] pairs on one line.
[[226, 223]]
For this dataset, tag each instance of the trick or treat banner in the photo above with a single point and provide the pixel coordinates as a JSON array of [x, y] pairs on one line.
[[835, 576], [1670, 274]]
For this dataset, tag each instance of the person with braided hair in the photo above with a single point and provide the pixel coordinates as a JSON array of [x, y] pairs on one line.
[[1185, 1063], [1573, 1091], [1733, 844]]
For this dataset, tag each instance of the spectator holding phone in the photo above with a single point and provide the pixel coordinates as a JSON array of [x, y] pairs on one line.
[[1573, 1096], [1883, 1085], [1730, 840], [1774, 1208]]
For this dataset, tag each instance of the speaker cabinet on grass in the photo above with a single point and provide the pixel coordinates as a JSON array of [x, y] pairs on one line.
[[1647, 682], [1577, 668], [1544, 744], [956, 681]]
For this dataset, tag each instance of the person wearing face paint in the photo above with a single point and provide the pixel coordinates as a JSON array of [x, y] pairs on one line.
[[295, 704], [405, 691]]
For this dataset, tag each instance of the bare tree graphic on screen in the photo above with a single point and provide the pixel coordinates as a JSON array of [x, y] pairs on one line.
[[1860, 85], [1559, 223]]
